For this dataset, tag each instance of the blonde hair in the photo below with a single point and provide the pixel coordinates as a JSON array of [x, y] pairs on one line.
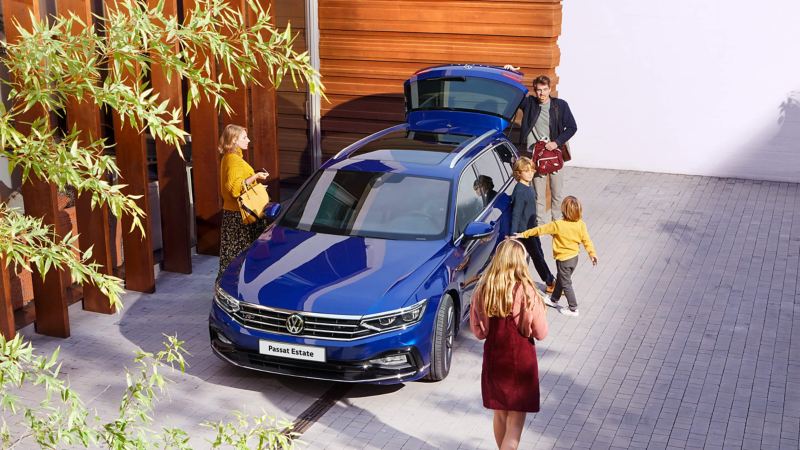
[[508, 267], [522, 164], [571, 209], [227, 142]]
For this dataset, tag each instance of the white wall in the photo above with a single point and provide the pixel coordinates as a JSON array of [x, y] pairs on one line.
[[709, 87]]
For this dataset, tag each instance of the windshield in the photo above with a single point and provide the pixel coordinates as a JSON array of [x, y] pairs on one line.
[[371, 204], [464, 94]]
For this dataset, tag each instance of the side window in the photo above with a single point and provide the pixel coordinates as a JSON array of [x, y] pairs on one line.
[[506, 156], [468, 202], [505, 169], [490, 177]]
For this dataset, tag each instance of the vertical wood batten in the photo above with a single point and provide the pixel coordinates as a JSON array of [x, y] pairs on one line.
[[293, 129], [265, 122], [172, 179], [93, 224], [292, 124], [40, 198], [238, 99], [131, 152], [138, 249], [204, 123], [314, 99], [7, 327], [7, 324]]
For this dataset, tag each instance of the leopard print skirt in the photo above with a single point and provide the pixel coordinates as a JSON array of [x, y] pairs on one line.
[[235, 237]]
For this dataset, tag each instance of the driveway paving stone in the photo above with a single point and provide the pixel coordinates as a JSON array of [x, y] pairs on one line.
[[689, 337]]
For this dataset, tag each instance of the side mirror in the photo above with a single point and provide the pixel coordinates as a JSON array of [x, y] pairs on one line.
[[272, 210], [478, 230]]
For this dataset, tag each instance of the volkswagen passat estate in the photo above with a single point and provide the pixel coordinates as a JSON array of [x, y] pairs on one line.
[[366, 274]]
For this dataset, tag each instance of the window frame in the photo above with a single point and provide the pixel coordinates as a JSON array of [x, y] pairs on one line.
[[471, 166], [513, 151]]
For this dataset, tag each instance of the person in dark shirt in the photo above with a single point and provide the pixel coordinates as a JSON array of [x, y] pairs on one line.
[[523, 217]]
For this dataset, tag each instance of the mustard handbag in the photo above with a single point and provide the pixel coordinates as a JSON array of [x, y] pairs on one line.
[[252, 202]]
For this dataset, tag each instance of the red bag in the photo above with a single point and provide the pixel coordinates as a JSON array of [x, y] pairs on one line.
[[547, 161]]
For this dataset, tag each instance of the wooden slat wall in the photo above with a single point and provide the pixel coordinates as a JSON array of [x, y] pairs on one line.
[[293, 144], [369, 47], [50, 300]]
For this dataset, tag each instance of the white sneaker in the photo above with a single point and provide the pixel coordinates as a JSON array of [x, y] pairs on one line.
[[549, 302], [568, 312]]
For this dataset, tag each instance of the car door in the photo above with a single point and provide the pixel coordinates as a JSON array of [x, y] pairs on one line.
[[481, 197]]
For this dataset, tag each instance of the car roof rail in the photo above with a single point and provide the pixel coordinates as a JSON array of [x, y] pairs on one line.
[[345, 152], [470, 146]]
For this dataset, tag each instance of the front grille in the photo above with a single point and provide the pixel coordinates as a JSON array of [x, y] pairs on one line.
[[315, 326], [347, 371]]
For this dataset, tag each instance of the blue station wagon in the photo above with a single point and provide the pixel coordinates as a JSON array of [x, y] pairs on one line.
[[367, 272]]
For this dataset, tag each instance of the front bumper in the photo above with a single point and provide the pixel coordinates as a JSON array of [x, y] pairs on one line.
[[348, 372], [347, 361]]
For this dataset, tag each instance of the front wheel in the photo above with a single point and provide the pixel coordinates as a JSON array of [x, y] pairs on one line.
[[444, 333]]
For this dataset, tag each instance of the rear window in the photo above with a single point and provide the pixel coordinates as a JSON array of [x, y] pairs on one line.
[[464, 94]]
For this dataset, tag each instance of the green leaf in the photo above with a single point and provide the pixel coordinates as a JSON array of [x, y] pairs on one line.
[[51, 64]]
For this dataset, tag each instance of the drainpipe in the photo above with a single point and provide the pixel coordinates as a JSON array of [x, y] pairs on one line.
[[314, 102]]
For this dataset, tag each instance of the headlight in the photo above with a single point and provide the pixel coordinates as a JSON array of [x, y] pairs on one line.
[[400, 318], [226, 301]]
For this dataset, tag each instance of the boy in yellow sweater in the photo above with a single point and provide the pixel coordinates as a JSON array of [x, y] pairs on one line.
[[568, 233]]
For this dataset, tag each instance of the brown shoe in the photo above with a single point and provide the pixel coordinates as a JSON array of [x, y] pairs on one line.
[[550, 288]]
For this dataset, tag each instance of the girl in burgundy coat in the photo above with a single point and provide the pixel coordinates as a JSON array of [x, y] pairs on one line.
[[508, 312]]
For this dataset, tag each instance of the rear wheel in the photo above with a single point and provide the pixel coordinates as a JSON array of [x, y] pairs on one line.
[[444, 334]]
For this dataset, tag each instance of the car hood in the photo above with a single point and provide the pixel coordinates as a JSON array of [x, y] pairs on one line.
[[332, 274]]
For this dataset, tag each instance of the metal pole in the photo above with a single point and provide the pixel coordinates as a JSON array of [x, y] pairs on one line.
[[314, 102]]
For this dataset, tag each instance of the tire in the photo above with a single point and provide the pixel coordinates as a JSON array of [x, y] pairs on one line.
[[444, 333]]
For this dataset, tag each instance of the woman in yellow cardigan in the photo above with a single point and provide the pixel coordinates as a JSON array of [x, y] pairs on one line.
[[234, 170]]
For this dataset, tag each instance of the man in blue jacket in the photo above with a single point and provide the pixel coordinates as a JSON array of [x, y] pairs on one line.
[[546, 118]]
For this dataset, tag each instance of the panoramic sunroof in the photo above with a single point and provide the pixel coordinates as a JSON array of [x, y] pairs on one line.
[[411, 146]]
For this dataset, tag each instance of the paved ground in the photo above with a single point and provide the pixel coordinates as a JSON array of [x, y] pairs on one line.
[[689, 337]]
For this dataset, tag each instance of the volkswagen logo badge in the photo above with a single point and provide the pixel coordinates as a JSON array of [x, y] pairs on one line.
[[294, 324]]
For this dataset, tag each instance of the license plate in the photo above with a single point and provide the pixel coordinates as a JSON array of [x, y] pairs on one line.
[[291, 351]]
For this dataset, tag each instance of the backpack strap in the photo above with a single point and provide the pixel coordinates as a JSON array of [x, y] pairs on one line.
[[557, 118]]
